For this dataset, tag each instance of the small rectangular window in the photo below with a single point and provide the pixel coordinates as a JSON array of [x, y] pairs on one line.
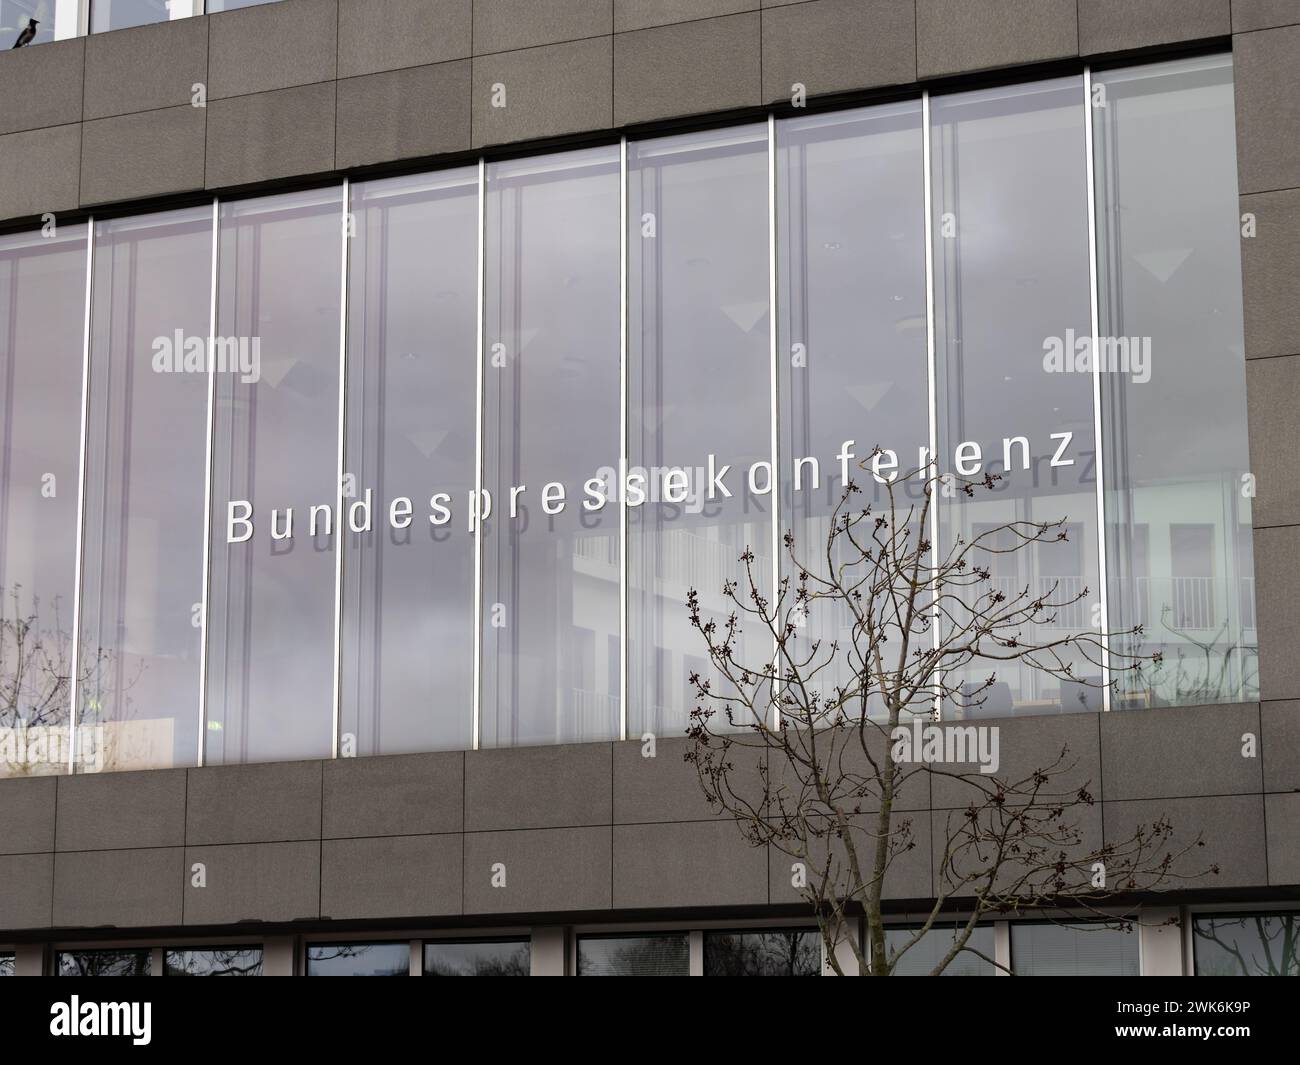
[[663, 955], [6, 965], [787, 952], [473, 957], [1047, 949], [133, 962], [359, 959], [921, 958], [214, 961], [1254, 944]]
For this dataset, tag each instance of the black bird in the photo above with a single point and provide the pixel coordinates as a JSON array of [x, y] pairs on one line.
[[28, 33]]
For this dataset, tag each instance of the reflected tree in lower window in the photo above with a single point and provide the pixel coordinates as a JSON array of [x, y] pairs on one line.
[[1264, 944]]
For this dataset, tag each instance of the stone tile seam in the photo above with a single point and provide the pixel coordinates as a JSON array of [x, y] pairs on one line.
[[1268, 192], [1266, 29], [283, 88], [84, 121], [756, 10]]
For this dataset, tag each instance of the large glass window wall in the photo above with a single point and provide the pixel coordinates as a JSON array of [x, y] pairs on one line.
[[431, 462]]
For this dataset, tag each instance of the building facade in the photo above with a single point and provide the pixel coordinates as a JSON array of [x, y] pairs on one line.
[[380, 376]]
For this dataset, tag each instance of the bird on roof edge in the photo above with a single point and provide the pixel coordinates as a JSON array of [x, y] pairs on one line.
[[28, 33]]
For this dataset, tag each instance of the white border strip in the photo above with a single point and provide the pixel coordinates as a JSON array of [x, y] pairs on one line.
[[1102, 563], [775, 412], [207, 487], [624, 444], [932, 375], [478, 460], [74, 682], [340, 518]]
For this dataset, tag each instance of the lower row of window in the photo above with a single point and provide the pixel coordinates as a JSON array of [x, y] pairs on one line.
[[1259, 944]]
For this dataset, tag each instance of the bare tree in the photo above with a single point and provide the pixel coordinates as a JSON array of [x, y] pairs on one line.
[[36, 682], [811, 749]]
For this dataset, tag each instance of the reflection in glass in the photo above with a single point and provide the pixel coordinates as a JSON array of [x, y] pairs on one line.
[[1178, 518], [123, 14], [275, 445], [551, 423], [142, 549], [408, 593], [232, 5], [1011, 279], [699, 373], [851, 328], [55, 20], [1046, 949], [42, 309], [926, 953], [459, 957], [214, 961], [359, 959], [789, 953], [666, 955], [6, 965], [1258, 944], [103, 963]]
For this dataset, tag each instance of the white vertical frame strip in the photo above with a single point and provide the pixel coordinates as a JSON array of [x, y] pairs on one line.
[[74, 680], [340, 518], [1102, 567], [775, 413], [71, 19], [207, 486], [1002, 948], [932, 375], [623, 442], [478, 458]]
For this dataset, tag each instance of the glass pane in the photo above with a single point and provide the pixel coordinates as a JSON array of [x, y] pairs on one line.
[[852, 333], [551, 425], [122, 14], [103, 963], [55, 20], [359, 959], [142, 563], [1177, 508], [1261, 944], [762, 954], [42, 322], [699, 373], [926, 953], [1073, 950], [460, 958], [667, 955], [408, 584], [215, 961], [232, 5], [6, 965], [1011, 286], [275, 450]]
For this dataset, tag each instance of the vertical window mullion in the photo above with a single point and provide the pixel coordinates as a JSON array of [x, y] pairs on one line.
[[775, 418], [931, 376], [477, 507], [1102, 569], [340, 519], [75, 658], [207, 486], [623, 445]]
